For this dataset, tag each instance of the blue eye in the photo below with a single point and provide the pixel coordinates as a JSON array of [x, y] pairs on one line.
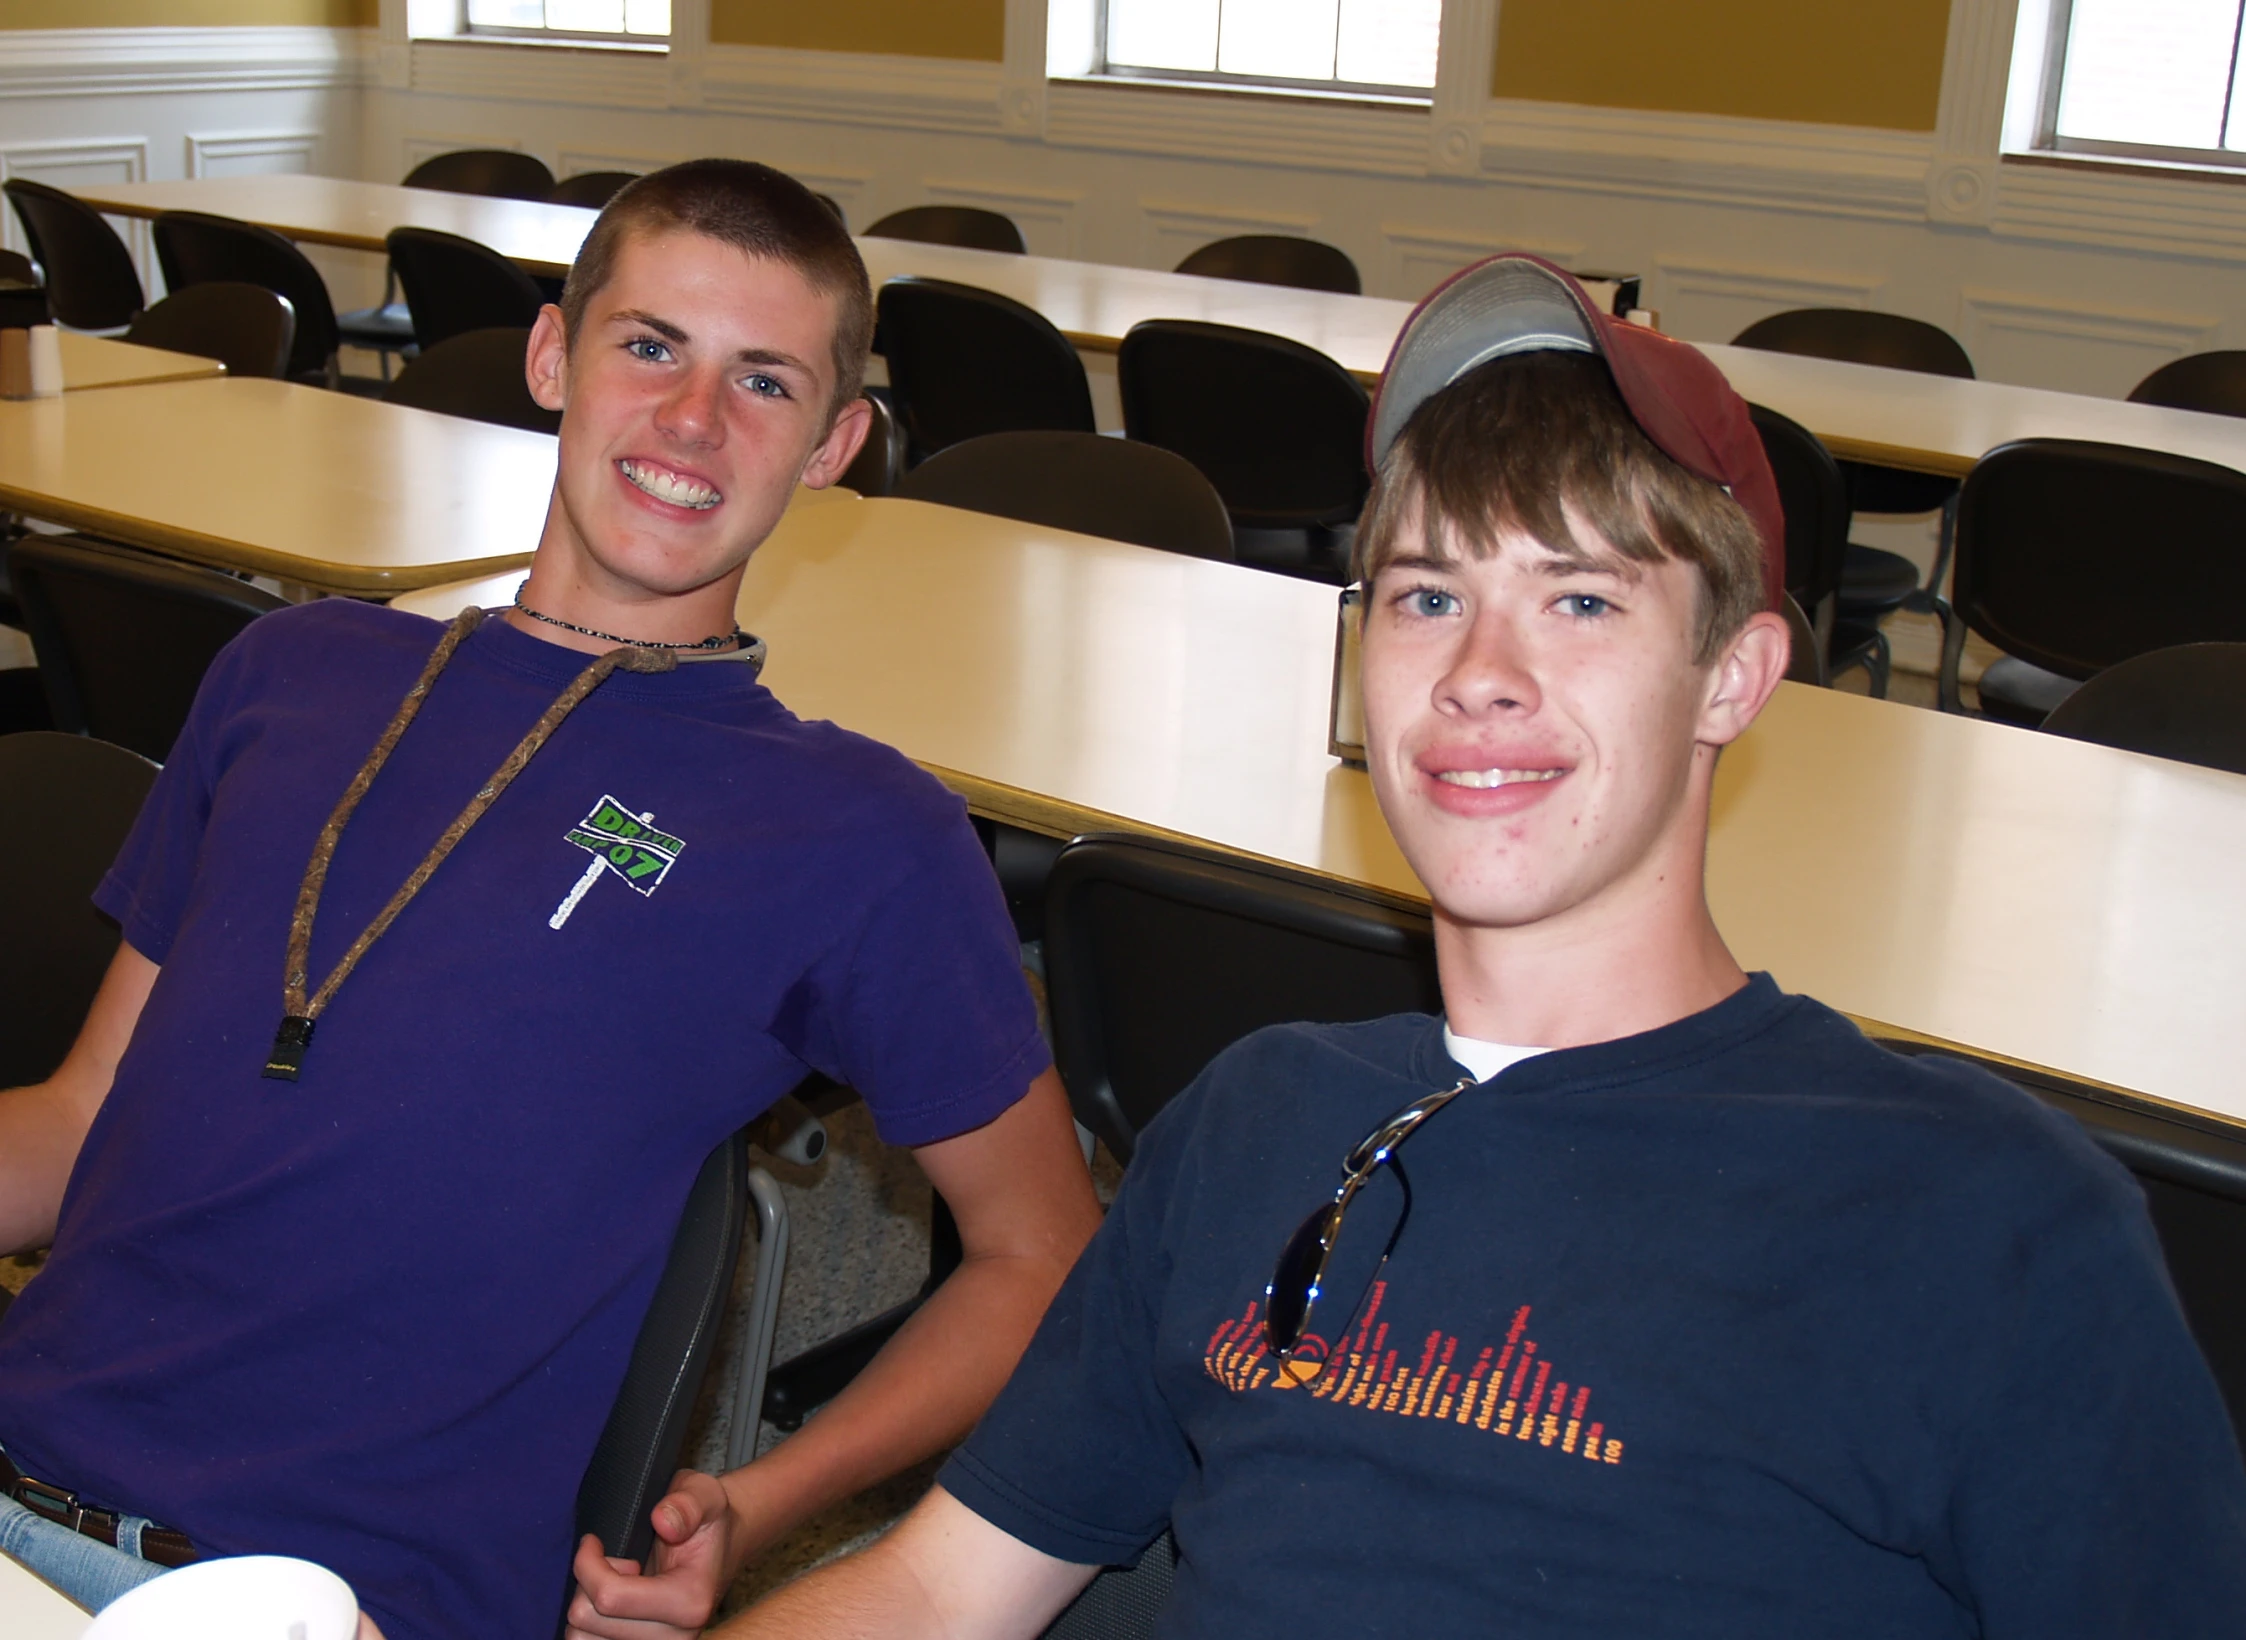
[[1431, 601], [1585, 604], [766, 387], [647, 348]]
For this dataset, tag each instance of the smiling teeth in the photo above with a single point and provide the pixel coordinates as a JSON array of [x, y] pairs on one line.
[[1484, 779], [679, 492]]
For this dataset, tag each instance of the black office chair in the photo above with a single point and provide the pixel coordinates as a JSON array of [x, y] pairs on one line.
[[1122, 1602], [2186, 703], [477, 374], [1276, 259], [2214, 382], [964, 362], [1814, 500], [247, 328], [1805, 655], [90, 278], [197, 248], [966, 225], [2055, 541], [1874, 582], [880, 461], [124, 639], [496, 173], [590, 189], [1277, 427], [454, 285], [1158, 956], [71, 802], [1108, 487], [23, 299], [2194, 1179]]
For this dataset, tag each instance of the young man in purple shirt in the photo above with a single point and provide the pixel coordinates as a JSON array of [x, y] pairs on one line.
[[1701, 1315], [361, 1172]]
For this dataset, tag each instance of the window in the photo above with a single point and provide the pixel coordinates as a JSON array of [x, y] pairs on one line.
[[2153, 79], [1386, 47], [633, 21]]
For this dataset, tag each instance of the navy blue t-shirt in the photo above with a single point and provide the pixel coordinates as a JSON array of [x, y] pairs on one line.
[[1741, 1327], [376, 1317]]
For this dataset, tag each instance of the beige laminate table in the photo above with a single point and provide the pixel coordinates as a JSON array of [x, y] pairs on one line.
[[320, 489], [33, 1609], [1894, 417], [2065, 906], [102, 361]]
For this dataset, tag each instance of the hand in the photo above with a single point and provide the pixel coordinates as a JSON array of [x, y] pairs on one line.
[[367, 1630], [677, 1593]]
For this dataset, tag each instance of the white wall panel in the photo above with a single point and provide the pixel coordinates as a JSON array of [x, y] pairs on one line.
[[2105, 349]]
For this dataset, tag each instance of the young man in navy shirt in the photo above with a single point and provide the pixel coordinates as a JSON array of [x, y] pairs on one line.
[[372, 1162], [1701, 1315]]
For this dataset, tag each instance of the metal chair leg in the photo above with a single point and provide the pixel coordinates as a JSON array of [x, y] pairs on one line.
[[764, 1310]]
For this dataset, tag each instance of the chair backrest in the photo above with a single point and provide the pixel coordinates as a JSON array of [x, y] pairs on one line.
[[23, 299], [1122, 1602], [2186, 703], [2194, 1179], [1277, 259], [964, 362], [1277, 427], [453, 285], [247, 328], [124, 639], [479, 375], [1158, 956], [968, 225], [2199, 381], [874, 470], [499, 173], [1814, 499], [1080, 481], [70, 802], [1805, 662], [197, 248], [2055, 538], [1859, 336], [592, 189], [641, 1445], [17, 269], [90, 278]]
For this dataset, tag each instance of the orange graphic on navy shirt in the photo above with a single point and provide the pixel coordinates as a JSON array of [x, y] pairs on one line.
[[1509, 1388]]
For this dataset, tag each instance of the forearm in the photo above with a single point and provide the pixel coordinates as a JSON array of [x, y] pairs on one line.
[[39, 1135], [921, 1394]]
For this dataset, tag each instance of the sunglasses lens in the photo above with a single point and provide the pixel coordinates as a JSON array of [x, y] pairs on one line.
[[1293, 1283]]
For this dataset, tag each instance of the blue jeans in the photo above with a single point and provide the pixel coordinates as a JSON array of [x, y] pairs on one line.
[[93, 1574]]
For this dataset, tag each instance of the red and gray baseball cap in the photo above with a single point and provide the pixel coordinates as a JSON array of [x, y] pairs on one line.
[[1516, 303]]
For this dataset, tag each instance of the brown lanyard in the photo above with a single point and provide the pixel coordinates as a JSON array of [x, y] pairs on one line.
[[301, 1012]]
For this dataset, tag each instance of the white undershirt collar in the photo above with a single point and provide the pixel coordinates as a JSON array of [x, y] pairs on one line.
[[1485, 1059]]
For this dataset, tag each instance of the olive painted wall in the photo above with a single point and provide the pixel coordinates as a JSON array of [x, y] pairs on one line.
[[972, 29], [186, 13], [1878, 65]]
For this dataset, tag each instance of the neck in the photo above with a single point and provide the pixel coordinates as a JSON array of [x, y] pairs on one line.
[[1642, 955], [633, 615]]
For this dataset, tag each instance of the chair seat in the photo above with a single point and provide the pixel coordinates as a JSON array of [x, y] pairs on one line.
[[1874, 581], [2012, 691], [389, 328]]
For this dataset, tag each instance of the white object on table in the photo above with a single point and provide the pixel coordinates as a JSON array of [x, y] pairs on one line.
[[46, 362], [243, 1597]]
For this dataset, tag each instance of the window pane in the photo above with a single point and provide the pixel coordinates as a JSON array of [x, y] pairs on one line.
[[1388, 42], [586, 16], [1283, 39], [647, 17], [1163, 34], [2149, 71], [506, 13]]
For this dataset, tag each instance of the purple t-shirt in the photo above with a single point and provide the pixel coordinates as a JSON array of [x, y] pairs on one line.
[[376, 1317]]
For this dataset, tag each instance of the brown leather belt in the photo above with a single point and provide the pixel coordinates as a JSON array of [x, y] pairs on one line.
[[159, 1545]]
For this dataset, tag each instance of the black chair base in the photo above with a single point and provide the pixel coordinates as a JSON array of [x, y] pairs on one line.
[[2012, 691]]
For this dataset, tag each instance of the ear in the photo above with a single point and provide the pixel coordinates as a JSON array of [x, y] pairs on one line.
[[834, 453], [546, 360], [1744, 677]]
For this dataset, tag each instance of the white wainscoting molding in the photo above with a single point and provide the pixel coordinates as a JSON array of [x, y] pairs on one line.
[[569, 162], [1825, 170], [2188, 215], [1417, 259], [1046, 216], [421, 145], [1714, 301], [591, 77], [1172, 229], [2012, 335], [250, 153], [80, 163], [852, 88], [85, 62], [1244, 128]]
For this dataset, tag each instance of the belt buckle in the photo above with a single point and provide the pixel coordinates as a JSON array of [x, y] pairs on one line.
[[38, 1496]]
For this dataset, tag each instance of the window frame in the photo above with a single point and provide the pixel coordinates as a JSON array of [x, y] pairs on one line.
[[1104, 71], [2044, 139], [463, 29]]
